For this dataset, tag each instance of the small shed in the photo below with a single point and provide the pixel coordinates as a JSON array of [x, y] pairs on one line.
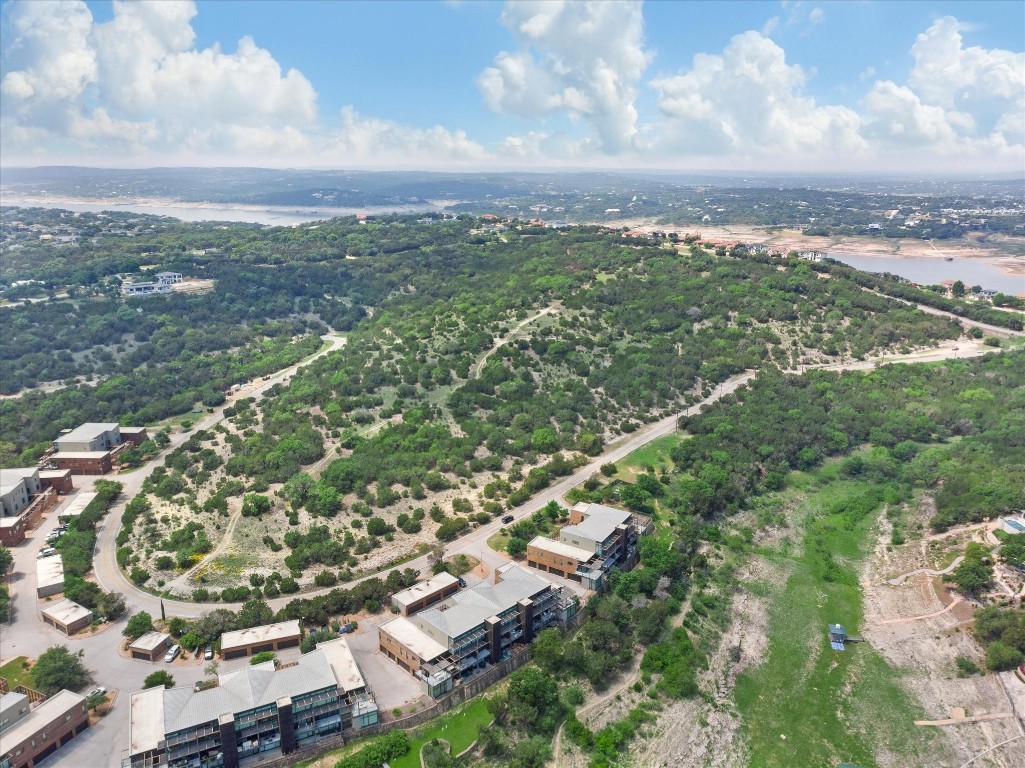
[[67, 617], [150, 647]]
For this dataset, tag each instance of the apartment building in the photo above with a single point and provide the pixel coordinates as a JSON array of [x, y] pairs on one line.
[[597, 539], [474, 627], [252, 714]]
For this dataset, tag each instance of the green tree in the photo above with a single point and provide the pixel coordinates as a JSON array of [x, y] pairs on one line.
[[975, 573], [516, 547], [547, 650], [6, 560], [262, 657], [57, 669], [159, 678], [534, 702], [138, 625]]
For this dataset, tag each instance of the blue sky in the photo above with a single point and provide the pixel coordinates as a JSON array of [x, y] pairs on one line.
[[458, 85]]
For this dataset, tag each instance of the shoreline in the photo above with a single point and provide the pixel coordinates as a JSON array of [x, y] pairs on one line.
[[125, 203], [1009, 261]]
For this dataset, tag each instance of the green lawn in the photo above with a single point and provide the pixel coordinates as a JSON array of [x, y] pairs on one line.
[[15, 674], [654, 454], [498, 541], [831, 707], [459, 729]]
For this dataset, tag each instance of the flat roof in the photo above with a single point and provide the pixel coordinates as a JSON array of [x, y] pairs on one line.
[[77, 504], [268, 632], [66, 612], [469, 608], [406, 632], [80, 454], [50, 711], [146, 720], [424, 588], [150, 641], [599, 522], [343, 664], [562, 549], [49, 571], [48, 473], [88, 431]]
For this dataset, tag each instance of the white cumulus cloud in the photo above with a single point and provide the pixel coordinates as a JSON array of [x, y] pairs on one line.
[[960, 101], [584, 57], [138, 84], [749, 101]]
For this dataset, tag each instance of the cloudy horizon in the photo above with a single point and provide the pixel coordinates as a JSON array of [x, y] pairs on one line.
[[746, 87]]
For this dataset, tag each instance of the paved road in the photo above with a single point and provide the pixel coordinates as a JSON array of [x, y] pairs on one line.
[[105, 567], [102, 745]]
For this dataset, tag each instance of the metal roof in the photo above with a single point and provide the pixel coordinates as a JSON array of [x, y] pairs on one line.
[[9, 478], [599, 522], [469, 608], [88, 431]]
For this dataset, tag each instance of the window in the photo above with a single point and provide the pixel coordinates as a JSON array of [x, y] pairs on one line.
[[67, 718]]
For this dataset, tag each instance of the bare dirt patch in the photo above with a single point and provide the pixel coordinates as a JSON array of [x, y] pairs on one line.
[[914, 627]]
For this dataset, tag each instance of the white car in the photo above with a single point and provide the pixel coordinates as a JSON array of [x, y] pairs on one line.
[[96, 692], [172, 653], [46, 552]]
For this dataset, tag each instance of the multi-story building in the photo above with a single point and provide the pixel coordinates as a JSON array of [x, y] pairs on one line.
[[474, 627], [91, 448], [24, 496], [29, 734], [425, 593], [597, 539], [251, 712]]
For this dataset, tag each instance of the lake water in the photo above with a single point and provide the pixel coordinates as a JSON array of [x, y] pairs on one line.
[[927, 270], [279, 216]]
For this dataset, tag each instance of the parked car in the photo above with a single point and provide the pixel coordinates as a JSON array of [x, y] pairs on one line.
[[347, 628], [462, 581], [172, 653], [96, 692], [52, 536], [507, 519], [46, 552], [208, 653]]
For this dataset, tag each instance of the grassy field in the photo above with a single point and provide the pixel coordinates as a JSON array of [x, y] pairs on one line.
[[807, 705], [654, 454], [498, 541], [15, 674]]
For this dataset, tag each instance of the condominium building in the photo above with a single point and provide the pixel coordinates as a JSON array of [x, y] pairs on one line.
[[29, 734], [91, 448], [598, 539], [474, 627], [253, 713]]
